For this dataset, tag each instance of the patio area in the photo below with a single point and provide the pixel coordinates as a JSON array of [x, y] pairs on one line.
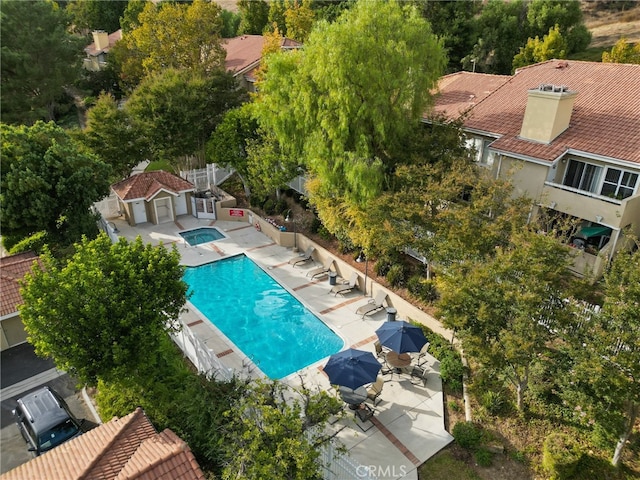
[[408, 423]]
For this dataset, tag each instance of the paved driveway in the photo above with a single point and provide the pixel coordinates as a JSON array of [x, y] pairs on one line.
[[23, 372]]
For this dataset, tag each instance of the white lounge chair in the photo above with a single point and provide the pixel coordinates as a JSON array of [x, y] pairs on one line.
[[303, 257], [345, 287], [421, 358], [323, 270], [373, 305]]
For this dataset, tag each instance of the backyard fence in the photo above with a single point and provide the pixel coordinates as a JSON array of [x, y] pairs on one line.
[[207, 178], [339, 466]]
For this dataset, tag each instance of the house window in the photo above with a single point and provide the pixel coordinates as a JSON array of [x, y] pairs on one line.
[[619, 184], [583, 176], [480, 149], [486, 157]]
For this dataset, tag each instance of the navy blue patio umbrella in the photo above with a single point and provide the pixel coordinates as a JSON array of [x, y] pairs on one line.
[[401, 337], [352, 368]]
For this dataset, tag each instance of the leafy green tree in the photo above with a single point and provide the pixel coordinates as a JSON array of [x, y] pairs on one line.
[[276, 18], [48, 183], [178, 110], [97, 15], [104, 312], [506, 308], [254, 16], [566, 16], [231, 22], [607, 354], [130, 17], [39, 58], [229, 142], [275, 431], [172, 35], [299, 19], [536, 50], [348, 101], [113, 136], [623, 52]]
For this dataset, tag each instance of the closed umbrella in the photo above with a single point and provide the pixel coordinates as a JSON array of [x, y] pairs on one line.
[[352, 368], [401, 336]]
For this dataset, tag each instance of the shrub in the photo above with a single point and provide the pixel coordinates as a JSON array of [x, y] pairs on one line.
[[395, 275], [422, 288], [560, 456], [484, 457], [383, 264], [316, 225], [493, 402], [269, 207], [280, 206], [451, 370], [467, 434], [33, 243]]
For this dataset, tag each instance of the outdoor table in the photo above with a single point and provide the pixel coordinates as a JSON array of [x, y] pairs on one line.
[[398, 360], [353, 397]]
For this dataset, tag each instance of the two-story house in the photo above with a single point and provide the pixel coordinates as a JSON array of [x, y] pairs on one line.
[[97, 51], [567, 134]]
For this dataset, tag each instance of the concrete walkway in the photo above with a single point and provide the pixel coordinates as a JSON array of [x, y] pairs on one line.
[[408, 426]]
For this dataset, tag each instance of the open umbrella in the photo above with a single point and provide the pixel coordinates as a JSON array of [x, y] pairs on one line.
[[401, 336], [352, 368]]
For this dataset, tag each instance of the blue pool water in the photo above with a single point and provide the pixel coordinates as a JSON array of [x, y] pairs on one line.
[[201, 235], [259, 316]]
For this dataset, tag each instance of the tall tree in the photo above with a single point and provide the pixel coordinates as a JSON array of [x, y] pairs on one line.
[[178, 110], [299, 19], [48, 183], [97, 15], [348, 101], [623, 52], [553, 45], [113, 136], [254, 16], [505, 309], [104, 312], [607, 354], [565, 16], [39, 57], [274, 431], [172, 35]]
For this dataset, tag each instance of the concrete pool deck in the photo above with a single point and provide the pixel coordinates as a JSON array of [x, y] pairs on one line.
[[408, 425]]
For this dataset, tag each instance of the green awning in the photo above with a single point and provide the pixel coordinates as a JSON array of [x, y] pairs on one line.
[[588, 232]]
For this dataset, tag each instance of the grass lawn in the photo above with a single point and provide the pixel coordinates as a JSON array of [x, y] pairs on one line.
[[159, 165], [444, 465]]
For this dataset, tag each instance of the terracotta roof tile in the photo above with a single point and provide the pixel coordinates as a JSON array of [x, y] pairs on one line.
[[463, 90], [147, 184], [12, 270], [246, 51], [123, 449], [606, 114]]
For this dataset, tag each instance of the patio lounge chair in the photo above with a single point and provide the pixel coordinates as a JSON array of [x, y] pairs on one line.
[[323, 270], [303, 257], [421, 359], [345, 287], [363, 417], [373, 305], [374, 391], [418, 375]]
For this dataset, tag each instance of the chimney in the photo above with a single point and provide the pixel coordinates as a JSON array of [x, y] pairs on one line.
[[100, 39], [548, 112]]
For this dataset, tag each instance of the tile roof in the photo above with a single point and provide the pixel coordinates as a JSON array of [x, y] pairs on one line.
[[12, 270], [113, 38], [147, 184], [123, 449], [462, 90], [606, 113], [246, 51]]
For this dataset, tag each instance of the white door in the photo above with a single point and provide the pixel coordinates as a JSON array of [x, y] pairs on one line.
[[181, 204], [164, 213], [139, 212]]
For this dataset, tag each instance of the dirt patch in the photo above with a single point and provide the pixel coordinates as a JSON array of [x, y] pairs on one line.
[[608, 27]]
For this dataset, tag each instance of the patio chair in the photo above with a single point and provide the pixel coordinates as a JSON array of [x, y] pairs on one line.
[[303, 257], [374, 391], [323, 270], [373, 305], [345, 287], [421, 358], [418, 375], [363, 417]]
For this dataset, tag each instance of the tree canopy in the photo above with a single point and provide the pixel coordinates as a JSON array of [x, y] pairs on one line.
[[103, 313], [93, 15], [623, 52], [48, 183], [551, 46], [39, 58]]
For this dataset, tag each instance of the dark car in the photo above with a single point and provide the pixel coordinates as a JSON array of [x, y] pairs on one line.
[[45, 421]]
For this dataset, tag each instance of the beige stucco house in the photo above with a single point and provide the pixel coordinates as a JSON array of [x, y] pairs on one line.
[[96, 52], [155, 197], [567, 134]]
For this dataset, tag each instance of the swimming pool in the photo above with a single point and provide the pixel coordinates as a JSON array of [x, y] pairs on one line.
[[259, 316], [201, 235]]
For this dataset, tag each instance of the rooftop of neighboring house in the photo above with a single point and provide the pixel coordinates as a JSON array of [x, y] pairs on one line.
[[245, 52], [606, 114], [147, 184], [458, 92], [124, 448], [99, 44], [12, 270]]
